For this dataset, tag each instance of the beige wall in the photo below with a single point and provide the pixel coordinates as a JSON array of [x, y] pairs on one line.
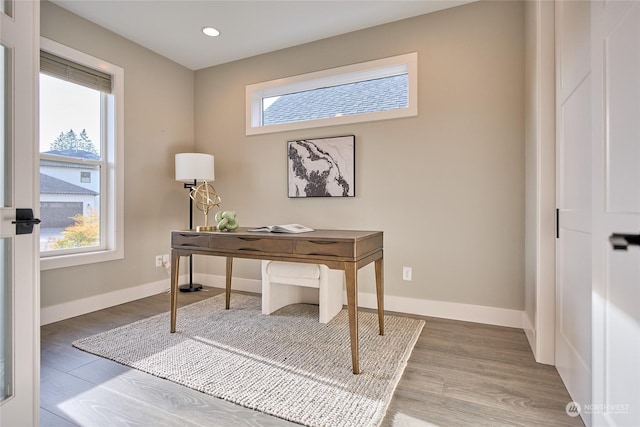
[[158, 123], [446, 187]]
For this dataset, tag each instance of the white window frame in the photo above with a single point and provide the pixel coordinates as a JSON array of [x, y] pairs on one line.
[[386, 67], [112, 187]]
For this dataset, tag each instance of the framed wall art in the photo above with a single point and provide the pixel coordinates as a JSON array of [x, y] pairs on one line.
[[322, 167]]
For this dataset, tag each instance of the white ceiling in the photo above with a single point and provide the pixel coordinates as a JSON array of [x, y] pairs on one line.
[[172, 28]]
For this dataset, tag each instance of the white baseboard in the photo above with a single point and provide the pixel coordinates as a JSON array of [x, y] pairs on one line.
[[239, 284], [421, 307], [55, 313], [446, 310], [540, 353], [529, 331], [430, 308]]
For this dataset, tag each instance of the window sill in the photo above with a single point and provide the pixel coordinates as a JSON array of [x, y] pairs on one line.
[[63, 261]]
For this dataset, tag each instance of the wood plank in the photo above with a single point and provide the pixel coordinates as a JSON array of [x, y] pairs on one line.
[[48, 419], [460, 373], [180, 401], [87, 404]]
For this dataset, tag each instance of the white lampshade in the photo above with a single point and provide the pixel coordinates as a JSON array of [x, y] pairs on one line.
[[194, 166]]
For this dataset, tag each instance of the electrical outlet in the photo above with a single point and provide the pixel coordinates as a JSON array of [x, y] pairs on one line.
[[158, 260], [406, 273], [165, 259]]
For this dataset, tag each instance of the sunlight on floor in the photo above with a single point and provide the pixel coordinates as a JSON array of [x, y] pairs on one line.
[[404, 420]]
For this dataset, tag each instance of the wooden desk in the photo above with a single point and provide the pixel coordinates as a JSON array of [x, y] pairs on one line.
[[338, 249]]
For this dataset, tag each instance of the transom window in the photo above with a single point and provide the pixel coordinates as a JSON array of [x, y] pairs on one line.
[[374, 90]]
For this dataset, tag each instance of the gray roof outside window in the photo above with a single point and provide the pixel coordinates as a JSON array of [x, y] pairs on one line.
[[386, 93], [51, 185]]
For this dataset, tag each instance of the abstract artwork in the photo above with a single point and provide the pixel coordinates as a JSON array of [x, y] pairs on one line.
[[322, 167]]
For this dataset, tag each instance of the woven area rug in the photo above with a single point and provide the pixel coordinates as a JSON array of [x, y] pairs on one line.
[[285, 364]]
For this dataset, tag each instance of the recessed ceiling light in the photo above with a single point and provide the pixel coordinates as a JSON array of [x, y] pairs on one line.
[[211, 32]]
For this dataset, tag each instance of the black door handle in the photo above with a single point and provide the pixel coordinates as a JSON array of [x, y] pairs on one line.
[[25, 221], [621, 241]]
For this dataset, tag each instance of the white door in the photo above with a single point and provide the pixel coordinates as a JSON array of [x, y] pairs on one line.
[[19, 265], [616, 209], [573, 199]]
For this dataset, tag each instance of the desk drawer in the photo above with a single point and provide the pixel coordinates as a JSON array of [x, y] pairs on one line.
[[189, 240], [251, 244], [324, 247]]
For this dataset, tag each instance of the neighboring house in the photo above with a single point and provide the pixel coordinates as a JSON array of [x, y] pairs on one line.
[[67, 189], [60, 201]]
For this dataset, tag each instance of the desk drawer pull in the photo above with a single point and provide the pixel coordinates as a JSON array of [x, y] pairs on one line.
[[185, 240], [193, 237], [250, 243], [325, 247]]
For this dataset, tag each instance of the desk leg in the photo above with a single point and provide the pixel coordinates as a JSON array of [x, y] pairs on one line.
[[175, 264], [228, 287], [380, 293], [351, 276]]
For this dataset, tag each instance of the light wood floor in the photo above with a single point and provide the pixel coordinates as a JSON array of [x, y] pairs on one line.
[[459, 374]]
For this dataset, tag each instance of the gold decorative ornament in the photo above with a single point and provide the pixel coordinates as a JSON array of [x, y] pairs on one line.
[[204, 196]]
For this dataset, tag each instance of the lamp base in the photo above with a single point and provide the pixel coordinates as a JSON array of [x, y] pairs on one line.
[[192, 287], [206, 228]]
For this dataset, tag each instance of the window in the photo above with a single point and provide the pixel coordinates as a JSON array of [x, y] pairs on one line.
[[374, 90], [81, 146]]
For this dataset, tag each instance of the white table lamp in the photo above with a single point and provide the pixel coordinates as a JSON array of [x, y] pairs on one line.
[[190, 169]]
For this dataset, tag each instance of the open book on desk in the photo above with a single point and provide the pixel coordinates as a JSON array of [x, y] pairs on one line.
[[284, 228]]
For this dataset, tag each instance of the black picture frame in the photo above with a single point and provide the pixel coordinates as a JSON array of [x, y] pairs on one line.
[[321, 167]]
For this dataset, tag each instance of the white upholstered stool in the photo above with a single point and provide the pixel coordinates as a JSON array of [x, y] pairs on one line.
[[285, 283]]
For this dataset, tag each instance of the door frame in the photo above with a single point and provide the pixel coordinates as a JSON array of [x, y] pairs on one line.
[[21, 31]]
